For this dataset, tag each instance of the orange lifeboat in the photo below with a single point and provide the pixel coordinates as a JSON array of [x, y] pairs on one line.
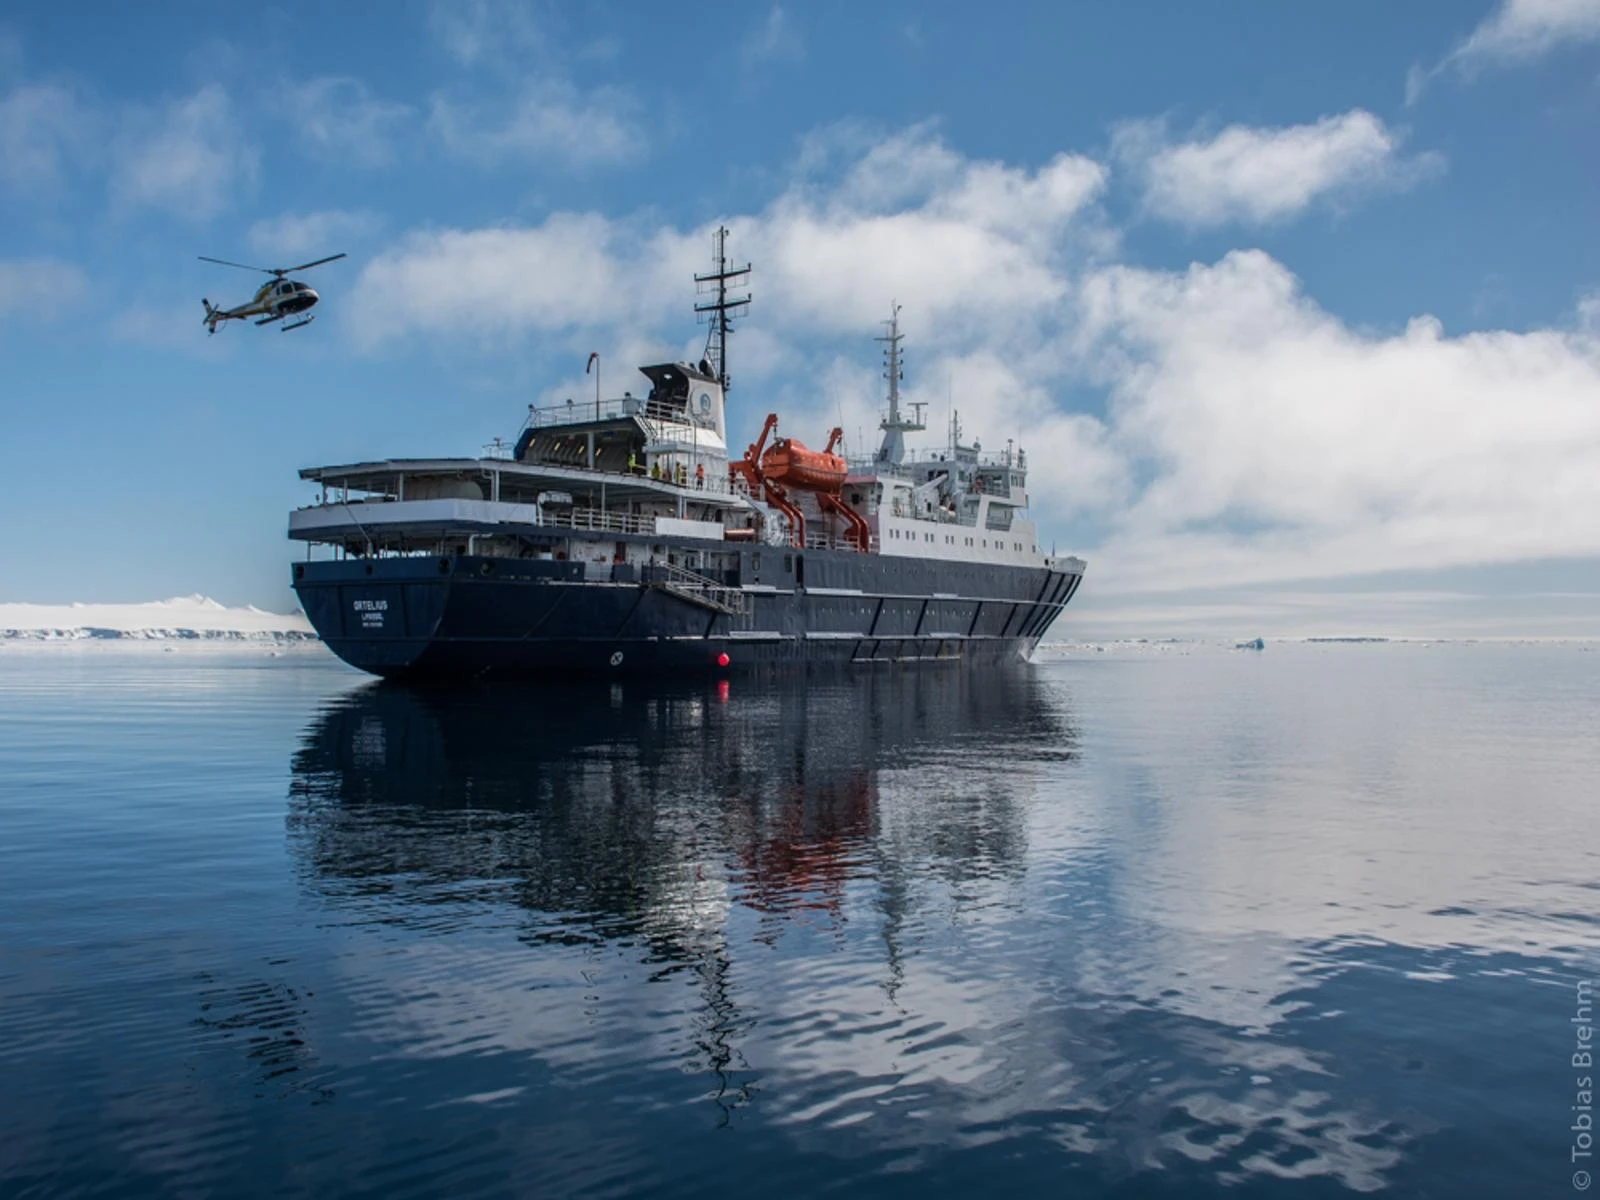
[[792, 464]]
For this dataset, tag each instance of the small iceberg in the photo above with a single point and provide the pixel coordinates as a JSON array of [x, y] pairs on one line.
[[1253, 644]]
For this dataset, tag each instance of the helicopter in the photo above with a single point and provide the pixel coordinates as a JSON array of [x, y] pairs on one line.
[[274, 301]]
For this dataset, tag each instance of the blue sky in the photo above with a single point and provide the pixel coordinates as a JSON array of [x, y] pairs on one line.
[[1292, 303]]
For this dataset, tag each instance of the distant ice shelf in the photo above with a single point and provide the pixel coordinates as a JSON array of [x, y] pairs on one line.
[[184, 618]]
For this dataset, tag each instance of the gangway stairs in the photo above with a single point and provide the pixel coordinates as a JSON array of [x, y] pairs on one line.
[[696, 589]]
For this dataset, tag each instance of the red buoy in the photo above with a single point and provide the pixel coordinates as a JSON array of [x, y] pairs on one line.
[[723, 659]]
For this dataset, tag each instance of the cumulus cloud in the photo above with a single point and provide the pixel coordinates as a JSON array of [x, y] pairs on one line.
[[974, 242], [39, 288], [295, 236], [1281, 444], [190, 157], [1237, 433], [550, 121], [561, 275], [1261, 175], [1522, 30], [1517, 32], [339, 119]]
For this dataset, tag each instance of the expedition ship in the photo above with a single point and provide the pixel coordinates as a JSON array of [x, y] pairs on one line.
[[618, 536]]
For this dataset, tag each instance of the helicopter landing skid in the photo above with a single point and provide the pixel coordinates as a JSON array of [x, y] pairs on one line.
[[300, 324]]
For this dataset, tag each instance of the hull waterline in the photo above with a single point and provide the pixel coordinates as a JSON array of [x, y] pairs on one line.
[[425, 617]]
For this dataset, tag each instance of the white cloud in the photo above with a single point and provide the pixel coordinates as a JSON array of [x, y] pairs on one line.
[[1589, 314], [973, 242], [549, 121], [560, 275], [39, 288], [189, 158], [1248, 435], [1522, 30], [774, 40], [1261, 175], [1517, 32], [307, 235], [338, 118], [1284, 445], [42, 126]]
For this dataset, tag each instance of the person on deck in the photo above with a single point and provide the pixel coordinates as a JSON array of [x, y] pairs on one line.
[[700, 476]]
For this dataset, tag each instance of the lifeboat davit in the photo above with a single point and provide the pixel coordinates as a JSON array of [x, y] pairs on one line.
[[791, 464]]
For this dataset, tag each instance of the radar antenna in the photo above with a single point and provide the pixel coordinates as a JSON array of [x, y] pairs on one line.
[[894, 426], [721, 308]]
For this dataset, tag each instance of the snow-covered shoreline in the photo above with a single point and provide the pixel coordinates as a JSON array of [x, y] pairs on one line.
[[183, 618]]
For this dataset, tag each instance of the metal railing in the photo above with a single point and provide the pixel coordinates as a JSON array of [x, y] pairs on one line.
[[822, 541], [695, 588], [1015, 459], [575, 412], [599, 519]]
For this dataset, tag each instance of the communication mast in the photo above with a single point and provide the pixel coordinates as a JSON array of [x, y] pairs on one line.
[[720, 310], [894, 426]]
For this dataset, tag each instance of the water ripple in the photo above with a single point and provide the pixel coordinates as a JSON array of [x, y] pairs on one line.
[[1245, 925]]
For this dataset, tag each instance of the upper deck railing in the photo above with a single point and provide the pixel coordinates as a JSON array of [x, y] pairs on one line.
[[1016, 460], [824, 541], [607, 521], [578, 412]]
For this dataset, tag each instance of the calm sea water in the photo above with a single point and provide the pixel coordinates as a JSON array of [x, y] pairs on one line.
[[1311, 921]]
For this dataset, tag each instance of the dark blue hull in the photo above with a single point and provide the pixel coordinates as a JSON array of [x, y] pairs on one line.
[[495, 616]]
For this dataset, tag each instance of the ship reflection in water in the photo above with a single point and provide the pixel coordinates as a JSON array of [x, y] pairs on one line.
[[678, 866], [895, 932], [638, 812]]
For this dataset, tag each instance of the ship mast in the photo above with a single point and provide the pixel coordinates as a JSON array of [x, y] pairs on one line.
[[894, 426], [720, 310]]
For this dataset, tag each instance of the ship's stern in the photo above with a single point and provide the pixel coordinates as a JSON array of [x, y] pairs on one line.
[[379, 616]]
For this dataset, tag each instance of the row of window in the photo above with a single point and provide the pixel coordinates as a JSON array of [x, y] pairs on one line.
[[950, 540]]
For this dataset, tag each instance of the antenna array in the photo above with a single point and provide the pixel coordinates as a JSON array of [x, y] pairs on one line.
[[720, 310]]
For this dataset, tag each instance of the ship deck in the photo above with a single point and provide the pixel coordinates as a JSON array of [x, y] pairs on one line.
[[385, 478]]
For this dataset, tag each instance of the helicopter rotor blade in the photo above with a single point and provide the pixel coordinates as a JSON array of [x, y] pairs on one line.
[[242, 266], [309, 265]]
